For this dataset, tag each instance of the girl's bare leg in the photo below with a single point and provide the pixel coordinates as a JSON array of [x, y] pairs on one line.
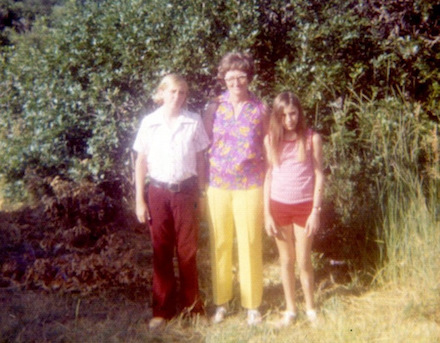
[[303, 245], [286, 249]]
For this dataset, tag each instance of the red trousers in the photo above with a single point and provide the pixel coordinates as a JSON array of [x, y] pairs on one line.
[[174, 230]]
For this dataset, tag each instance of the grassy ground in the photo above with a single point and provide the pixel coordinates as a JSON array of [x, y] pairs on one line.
[[349, 312], [399, 305]]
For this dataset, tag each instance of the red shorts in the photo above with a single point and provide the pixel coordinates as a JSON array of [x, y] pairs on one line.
[[287, 214]]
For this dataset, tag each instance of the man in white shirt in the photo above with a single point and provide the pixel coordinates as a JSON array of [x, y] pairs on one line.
[[169, 146]]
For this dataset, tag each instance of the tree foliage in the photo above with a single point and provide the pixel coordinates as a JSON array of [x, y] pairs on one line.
[[76, 85], [18, 15]]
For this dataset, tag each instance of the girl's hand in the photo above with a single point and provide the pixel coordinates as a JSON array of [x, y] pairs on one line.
[[142, 211], [312, 224], [269, 225]]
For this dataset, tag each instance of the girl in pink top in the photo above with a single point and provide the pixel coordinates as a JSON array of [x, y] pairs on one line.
[[292, 197]]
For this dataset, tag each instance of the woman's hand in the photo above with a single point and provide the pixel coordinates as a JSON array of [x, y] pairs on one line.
[[201, 207]]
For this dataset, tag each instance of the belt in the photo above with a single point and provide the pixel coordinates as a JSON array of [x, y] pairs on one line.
[[182, 186]]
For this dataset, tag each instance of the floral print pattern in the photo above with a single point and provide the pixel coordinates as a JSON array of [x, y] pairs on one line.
[[237, 154]]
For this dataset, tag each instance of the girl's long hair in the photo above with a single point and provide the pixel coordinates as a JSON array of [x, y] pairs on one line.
[[276, 129]]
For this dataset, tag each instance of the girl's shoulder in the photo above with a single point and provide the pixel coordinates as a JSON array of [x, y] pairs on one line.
[[315, 141], [312, 135]]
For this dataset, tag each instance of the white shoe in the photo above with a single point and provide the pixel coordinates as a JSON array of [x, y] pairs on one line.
[[156, 324], [254, 317], [220, 314], [311, 316], [288, 318]]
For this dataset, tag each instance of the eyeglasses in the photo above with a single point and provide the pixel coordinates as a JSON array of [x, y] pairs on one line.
[[239, 79]]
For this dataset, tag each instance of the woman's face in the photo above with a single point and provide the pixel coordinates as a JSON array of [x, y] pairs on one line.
[[290, 118], [174, 95], [237, 82]]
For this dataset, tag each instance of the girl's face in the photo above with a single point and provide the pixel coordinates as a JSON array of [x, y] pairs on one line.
[[174, 95], [290, 118], [237, 82]]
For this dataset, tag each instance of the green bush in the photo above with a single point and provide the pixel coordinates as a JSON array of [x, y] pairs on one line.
[[18, 15], [368, 47], [75, 90], [75, 87]]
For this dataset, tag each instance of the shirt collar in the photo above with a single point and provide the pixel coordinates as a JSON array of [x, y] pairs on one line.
[[224, 97], [159, 119]]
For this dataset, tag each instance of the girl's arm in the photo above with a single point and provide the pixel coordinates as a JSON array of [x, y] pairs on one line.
[[269, 223], [313, 221], [140, 172]]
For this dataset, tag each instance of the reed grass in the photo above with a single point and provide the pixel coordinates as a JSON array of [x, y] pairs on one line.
[[411, 233]]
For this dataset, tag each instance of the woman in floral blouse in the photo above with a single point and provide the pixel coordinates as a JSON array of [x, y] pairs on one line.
[[236, 123]]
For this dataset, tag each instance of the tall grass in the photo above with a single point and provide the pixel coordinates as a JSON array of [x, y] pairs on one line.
[[411, 232], [403, 143], [384, 158]]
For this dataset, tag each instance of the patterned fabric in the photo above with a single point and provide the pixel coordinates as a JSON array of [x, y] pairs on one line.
[[171, 153], [293, 181], [237, 154]]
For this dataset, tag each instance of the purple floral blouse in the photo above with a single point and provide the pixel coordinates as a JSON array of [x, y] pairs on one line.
[[236, 155]]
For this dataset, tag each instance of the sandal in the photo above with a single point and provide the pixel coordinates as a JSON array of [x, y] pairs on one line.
[[288, 318], [220, 314]]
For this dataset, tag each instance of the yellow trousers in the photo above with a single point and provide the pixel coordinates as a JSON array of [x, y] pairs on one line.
[[242, 210]]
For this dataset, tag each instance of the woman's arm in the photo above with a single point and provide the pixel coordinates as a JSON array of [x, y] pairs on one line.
[[266, 119], [201, 169], [202, 177], [208, 118]]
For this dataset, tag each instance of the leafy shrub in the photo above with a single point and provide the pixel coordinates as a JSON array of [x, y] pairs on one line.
[[78, 240], [18, 15], [75, 87], [365, 46], [74, 91]]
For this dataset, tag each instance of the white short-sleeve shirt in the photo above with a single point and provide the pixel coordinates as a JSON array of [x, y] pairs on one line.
[[171, 152]]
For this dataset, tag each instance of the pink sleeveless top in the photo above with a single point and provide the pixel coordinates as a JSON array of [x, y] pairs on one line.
[[293, 181]]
